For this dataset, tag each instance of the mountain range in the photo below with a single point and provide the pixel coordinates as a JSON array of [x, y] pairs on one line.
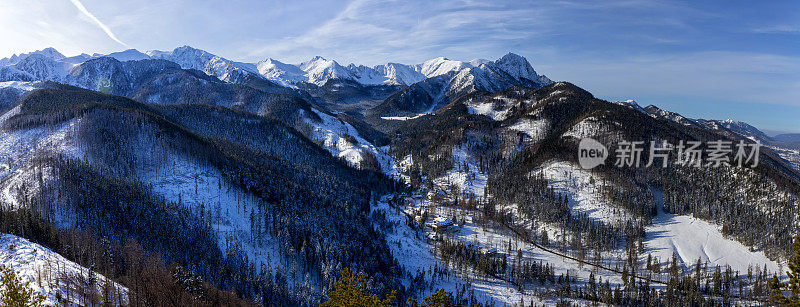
[[184, 176], [511, 68]]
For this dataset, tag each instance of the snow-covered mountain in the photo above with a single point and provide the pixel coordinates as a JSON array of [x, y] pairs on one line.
[[448, 79], [319, 70], [274, 190], [400, 74], [43, 67], [128, 55], [739, 127], [50, 53], [107, 74], [511, 69], [191, 58], [284, 74]]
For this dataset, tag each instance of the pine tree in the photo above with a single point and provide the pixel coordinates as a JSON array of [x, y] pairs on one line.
[[793, 285], [15, 292], [349, 290], [440, 298]]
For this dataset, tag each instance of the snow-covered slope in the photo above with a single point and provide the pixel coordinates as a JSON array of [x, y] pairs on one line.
[[11, 73], [52, 275], [400, 74], [582, 192], [19, 148], [342, 140], [284, 74], [203, 188], [690, 238]]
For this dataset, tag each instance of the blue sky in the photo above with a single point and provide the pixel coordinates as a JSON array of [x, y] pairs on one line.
[[709, 59]]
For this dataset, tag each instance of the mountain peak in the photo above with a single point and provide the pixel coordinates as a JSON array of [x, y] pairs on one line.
[[51, 53], [128, 55], [440, 66], [512, 57]]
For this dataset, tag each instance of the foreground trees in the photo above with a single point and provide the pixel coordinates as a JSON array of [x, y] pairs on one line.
[[350, 290], [14, 292], [793, 285]]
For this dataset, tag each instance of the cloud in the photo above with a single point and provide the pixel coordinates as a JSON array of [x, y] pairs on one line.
[[778, 29], [102, 26], [374, 31]]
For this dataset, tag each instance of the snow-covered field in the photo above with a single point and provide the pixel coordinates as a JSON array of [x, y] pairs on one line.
[[691, 239], [50, 274]]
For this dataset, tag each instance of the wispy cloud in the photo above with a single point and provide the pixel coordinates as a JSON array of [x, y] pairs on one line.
[[99, 23], [375, 31], [778, 29]]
